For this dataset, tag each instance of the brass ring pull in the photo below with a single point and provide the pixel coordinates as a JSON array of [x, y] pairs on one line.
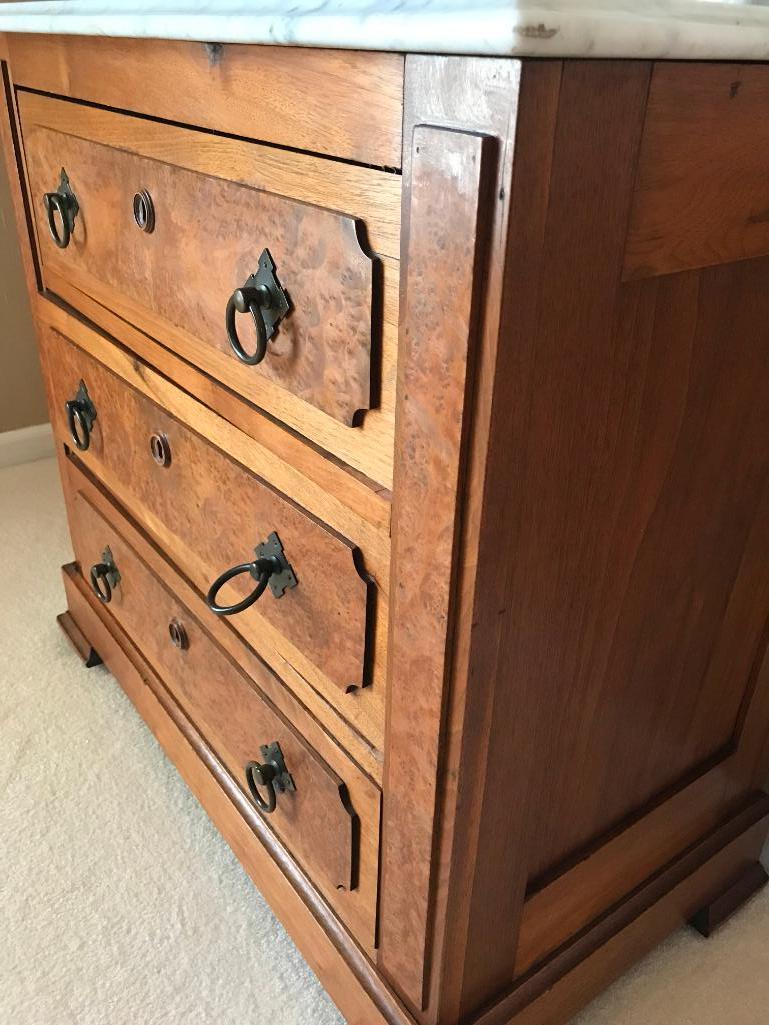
[[248, 300], [263, 297], [78, 425], [81, 414], [260, 568], [100, 582], [270, 567], [262, 776], [104, 576], [270, 775], [63, 203]]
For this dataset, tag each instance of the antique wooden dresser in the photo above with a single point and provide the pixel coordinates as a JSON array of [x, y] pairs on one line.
[[412, 413]]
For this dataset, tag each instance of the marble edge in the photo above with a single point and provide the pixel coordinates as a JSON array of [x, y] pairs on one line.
[[716, 31]]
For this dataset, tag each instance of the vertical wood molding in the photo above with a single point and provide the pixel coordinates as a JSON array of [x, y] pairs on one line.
[[458, 111], [439, 324]]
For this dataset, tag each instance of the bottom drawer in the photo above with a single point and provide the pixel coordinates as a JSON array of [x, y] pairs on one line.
[[324, 809]]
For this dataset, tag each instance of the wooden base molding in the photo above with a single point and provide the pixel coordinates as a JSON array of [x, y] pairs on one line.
[[745, 886], [555, 998], [72, 631]]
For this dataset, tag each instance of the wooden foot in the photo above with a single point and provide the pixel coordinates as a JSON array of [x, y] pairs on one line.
[[712, 915], [88, 654]]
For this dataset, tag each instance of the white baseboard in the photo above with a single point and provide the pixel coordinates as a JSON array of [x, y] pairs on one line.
[[26, 445]]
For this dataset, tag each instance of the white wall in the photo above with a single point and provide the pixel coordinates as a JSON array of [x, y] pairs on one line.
[[22, 400]]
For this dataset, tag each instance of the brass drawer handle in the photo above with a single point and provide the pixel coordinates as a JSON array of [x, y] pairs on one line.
[[104, 577], [81, 414], [270, 567], [262, 297], [271, 775], [63, 203]]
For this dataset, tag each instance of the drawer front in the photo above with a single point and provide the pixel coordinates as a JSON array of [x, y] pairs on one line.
[[315, 816], [209, 237], [210, 513]]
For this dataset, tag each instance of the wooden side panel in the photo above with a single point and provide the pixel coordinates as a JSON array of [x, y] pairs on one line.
[[339, 102], [664, 502], [626, 545], [701, 195]]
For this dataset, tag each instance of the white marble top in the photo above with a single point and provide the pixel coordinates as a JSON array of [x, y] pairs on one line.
[[697, 29]]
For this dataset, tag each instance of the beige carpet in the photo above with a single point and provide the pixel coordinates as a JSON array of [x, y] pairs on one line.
[[119, 903]]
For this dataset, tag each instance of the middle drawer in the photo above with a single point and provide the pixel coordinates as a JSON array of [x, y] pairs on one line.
[[211, 514]]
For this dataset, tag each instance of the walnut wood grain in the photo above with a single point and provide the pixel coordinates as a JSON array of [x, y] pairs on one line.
[[369, 447], [318, 822], [359, 992], [633, 928], [210, 514], [643, 499], [622, 600], [602, 428], [363, 710], [208, 238], [701, 195], [328, 101]]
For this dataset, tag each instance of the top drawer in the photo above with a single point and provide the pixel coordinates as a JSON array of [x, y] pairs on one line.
[[276, 296]]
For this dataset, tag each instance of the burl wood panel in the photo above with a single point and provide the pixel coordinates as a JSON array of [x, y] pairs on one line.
[[209, 235], [439, 320], [339, 102], [317, 822], [701, 194], [209, 513]]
